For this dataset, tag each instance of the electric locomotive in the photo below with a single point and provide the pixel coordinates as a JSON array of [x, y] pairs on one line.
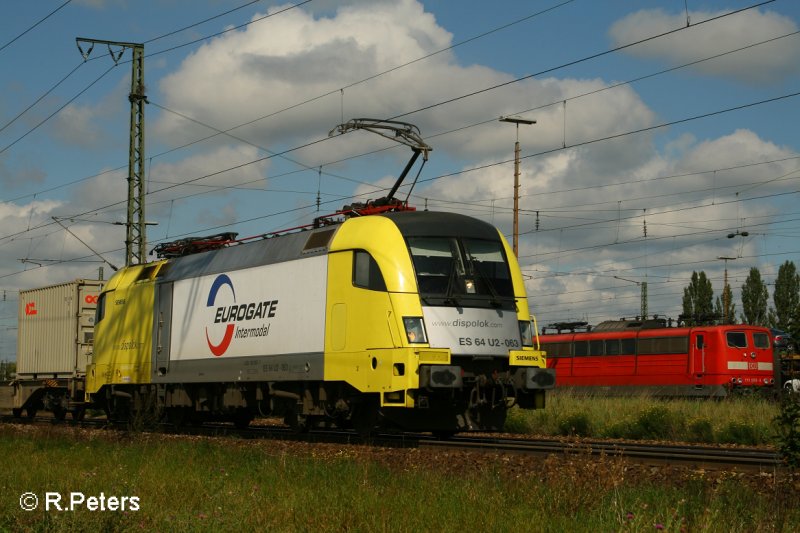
[[414, 319], [645, 356], [377, 315]]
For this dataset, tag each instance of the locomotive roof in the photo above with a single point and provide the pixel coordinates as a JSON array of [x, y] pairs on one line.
[[623, 325], [441, 224], [255, 253], [315, 242]]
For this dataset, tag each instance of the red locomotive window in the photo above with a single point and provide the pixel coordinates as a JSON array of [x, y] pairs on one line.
[[736, 339], [557, 349], [628, 347], [612, 347], [761, 340], [663, 345], [596, 347], [581, 348]]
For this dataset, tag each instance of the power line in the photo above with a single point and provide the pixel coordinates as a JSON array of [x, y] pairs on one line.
[[156, 53], [424, 57], [209, 19], [54, 113], [464, 171], [36, 24], [578, 61]]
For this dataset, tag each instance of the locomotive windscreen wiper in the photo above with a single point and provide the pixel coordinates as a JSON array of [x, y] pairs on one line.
[[475, 268], [450, 293]]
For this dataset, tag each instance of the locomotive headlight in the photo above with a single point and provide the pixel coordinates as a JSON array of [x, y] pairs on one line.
[[469, 286], [525, 332], [415, 329]]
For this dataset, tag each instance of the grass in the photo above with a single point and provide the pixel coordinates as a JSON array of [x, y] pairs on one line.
[[201, 484], [738, 420]]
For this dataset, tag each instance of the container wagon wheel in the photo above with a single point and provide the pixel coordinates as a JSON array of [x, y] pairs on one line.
[[242, 418]]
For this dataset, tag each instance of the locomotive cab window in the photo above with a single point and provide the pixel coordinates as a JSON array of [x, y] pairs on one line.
[[366, 272], [736, 339], [452, 271], [760, 340], [100, 311]]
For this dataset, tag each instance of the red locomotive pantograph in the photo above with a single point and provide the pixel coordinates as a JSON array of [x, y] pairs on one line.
[[646, 357]]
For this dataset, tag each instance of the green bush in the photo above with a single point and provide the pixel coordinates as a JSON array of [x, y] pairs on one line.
[[575, 424], [701, 430], [656, 422], [517, 422], [739, 433], [788, 429]]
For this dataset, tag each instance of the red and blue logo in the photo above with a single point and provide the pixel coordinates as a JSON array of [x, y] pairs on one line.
[[219, 349]]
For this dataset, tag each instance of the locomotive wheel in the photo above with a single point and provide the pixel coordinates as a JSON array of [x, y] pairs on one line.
[[59, 413], [296, 422], [365, 417], [78, 414]]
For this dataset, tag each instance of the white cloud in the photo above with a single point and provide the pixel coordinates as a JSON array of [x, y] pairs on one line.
[[224, 166], [767, 63]]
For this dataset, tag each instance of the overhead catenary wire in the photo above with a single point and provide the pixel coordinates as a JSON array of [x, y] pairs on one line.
[[220, 132], [52, 88], [353, 84], [53, 12], [463, 171]]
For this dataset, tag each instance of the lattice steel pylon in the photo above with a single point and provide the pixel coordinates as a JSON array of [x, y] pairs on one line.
[[136, 232]]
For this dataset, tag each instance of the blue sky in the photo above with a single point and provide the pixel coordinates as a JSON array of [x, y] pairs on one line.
[[596, 167]]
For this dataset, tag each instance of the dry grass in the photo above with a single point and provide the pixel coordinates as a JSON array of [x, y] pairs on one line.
[[742, 420], [202, 484]]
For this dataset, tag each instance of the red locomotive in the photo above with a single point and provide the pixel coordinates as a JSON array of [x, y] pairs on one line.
[[645, 356]]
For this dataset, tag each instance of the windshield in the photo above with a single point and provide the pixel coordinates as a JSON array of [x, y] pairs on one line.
[[452, 271]]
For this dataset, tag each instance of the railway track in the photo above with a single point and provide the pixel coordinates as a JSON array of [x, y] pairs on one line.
[[705, 457]]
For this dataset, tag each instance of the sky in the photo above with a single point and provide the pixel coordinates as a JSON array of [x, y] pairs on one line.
[[662, 128]]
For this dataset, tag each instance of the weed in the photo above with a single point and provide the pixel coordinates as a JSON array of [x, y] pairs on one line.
[[788, 429]]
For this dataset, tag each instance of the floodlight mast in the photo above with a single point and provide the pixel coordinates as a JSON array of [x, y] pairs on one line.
[[404, 133]]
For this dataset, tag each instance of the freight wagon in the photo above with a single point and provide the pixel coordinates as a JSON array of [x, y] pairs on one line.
[[54, 347]]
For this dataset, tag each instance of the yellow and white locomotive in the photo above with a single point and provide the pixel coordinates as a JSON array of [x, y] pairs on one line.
[[413, 319], [419, 319]]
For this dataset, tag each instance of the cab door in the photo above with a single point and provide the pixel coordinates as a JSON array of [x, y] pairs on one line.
[[698, 344], [162, 322]]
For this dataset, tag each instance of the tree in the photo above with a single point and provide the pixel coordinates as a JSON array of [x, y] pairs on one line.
[[786, 299], [755, 299], [698, 300], [724, 307]]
